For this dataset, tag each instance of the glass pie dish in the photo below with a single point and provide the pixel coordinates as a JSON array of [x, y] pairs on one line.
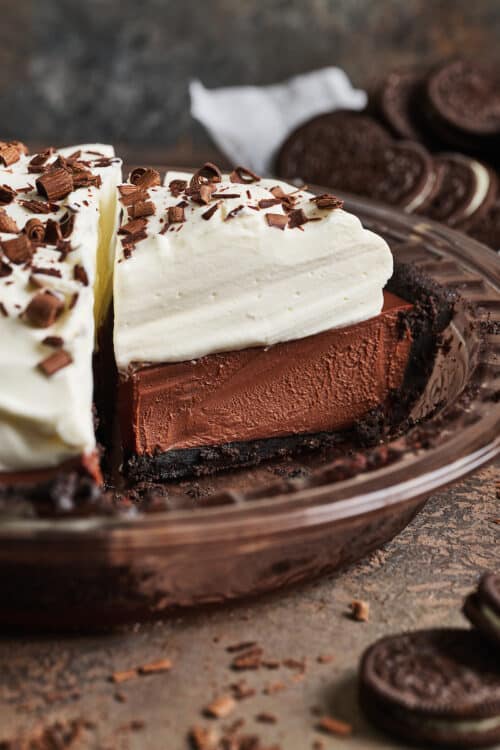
[[252, 530]]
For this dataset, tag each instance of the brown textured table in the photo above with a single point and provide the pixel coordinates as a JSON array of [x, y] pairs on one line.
[[418, 580]]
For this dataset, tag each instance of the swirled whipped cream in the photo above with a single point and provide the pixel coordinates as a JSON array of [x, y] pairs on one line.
[[225, 262], [55, 273]]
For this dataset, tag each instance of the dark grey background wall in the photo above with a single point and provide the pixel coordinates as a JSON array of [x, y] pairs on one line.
[[118, 70]]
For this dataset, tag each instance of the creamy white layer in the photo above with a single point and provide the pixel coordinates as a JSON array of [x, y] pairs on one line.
[[46, 420], [231, 283]]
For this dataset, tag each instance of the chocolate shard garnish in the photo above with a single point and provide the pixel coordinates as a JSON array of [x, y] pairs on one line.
[[130, 194], [226, 196], [7, 195], [177, 187], [38, 161], [277, 220], [210, 212], [55, 184], [56, 342], [9, 154], [244, 176], [129, 241], [141, 208], [55, 362], [136, 225], [85, 178], [39, 207], [3, 310], [44, 309], [64, 248], [34, 229], [327, 200], [145, 178], [45, 271], [52, 232], [5, 269], [18, 250], [296, 218], [67, 224], [80, 274], [268, 202], [176, 215], [234, 212], [7, 223]]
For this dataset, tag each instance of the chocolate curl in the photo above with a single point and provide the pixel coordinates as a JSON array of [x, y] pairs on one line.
[[55, 184], [44, 309], [243, 175], [7, 223], [145, 178], [7, 195], [34, 229], [18, 250]]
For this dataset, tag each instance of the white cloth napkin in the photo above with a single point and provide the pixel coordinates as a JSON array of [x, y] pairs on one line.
[[249, 123]]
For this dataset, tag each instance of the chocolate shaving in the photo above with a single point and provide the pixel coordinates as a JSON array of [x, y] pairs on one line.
[[7, 223], [7, 194], [64, 247], [210, 212], [243, 175], [56, 342], [39, 160], [177, 187], [26, 189], [53, 232], [34, 229], [129, 241], [55, 184], [44, 309], [55, 362], [226, 195], [67, 224], [80, 274], [327, 200], [18, 250], [5, 269], [21, 147], [145, 178], [9, 154], [277, 220], [176, 215], [141, 208], [234, 212], [136, 225], [268, 202], [73, 301], [46, 271], [130, 194], [85, 178], [39, 207], [3, 310], [296, 218]]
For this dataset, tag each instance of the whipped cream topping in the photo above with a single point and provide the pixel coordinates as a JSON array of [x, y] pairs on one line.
[[239, 272], [46, 418]]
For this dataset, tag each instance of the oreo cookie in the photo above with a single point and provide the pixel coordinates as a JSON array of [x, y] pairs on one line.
[[434, 687], [398, 103], [462, 105], [482, 607], [467, 190], [351, 152]]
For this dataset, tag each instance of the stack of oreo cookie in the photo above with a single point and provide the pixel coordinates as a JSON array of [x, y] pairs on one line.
[[442, 686], [428, 143]]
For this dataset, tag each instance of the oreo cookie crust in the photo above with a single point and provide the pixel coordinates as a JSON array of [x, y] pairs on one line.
[[482, 607], [435, 687], [463, 104], [467, 190], [351, 152]]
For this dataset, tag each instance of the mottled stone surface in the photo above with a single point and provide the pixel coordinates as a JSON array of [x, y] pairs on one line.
[[418, 580], [118, 70]]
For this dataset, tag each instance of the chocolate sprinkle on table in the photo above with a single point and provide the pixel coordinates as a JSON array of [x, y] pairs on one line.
[[55, 362]]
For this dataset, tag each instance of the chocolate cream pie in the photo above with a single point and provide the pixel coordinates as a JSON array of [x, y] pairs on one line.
[[58, 216], [253, 318]]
